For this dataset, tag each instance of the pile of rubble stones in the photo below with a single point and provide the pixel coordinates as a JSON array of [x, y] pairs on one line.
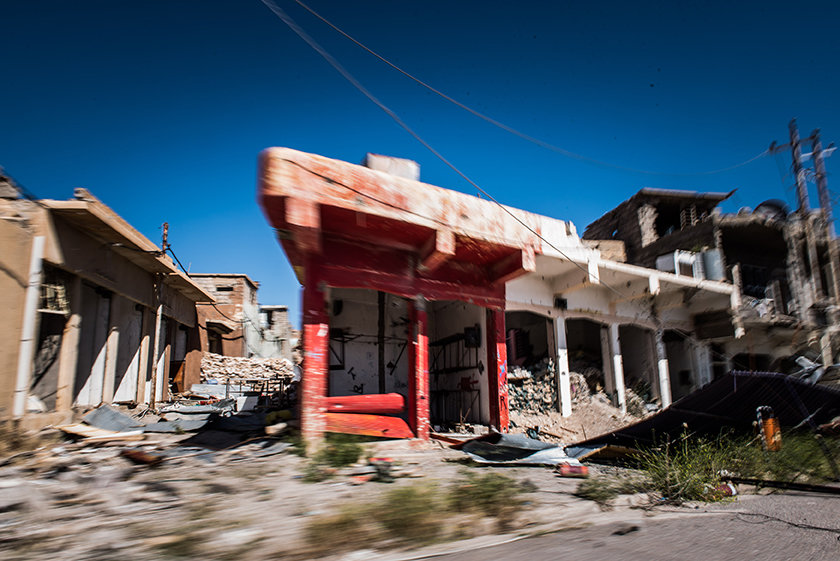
[[534, 388], [220, 367]]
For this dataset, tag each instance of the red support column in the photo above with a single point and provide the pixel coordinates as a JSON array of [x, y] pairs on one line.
[[497, 369], [313, 407], [418, 363]]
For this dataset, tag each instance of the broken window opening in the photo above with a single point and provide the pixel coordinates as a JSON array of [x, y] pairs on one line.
[[669, 219], [639, 360], [680, 364], [588, 351], [751, 362], [532, 383]]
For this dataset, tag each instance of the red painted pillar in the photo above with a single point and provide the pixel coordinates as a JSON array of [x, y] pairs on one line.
[[313, 392], [497, 369], [418, 376]]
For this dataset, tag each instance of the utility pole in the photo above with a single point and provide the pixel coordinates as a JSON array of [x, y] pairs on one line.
[[165, 243], [798, 172], [822, 181]]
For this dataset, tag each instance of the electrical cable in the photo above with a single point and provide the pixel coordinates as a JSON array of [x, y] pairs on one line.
[[349, 77], [508, 128], [335, 64]]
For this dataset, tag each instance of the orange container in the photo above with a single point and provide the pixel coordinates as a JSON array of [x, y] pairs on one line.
[[772, 434]]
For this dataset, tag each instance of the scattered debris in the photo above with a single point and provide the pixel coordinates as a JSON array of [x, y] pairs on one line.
[[533, 389], [222, 368], [513, 449], [94, 434], [731, 402]]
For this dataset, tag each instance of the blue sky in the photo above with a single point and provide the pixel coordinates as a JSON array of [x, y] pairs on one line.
[[161, 107]]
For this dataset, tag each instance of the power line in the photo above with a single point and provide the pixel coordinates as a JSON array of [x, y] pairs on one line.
[[335, 64], [350, 78], [508, 128]]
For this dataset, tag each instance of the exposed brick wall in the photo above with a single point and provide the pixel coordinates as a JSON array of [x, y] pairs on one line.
[[232, 294]]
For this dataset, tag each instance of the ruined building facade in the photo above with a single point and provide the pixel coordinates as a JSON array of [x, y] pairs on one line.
[[417, 299], [93, 311], [783, 266], [236, 325]]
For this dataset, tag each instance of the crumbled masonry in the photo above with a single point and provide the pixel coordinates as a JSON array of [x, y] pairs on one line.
[[218, 367]]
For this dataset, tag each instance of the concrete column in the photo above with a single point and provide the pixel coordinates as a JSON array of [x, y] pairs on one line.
[[606, 361], [68, 355], [618, 368], [112, 348], [564, 386], [662, 366], [143, 368], [703, 361], [826, 350], [313, 383], [418, 364], [497, 370], [156, 353], [735, 301], [29, 332]]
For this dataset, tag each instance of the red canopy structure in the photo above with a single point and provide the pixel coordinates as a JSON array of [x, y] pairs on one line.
[[350, 227]]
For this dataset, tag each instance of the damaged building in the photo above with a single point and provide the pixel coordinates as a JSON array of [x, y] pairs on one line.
[[418, 299], [236, 325], [95, 312], [782, 265]]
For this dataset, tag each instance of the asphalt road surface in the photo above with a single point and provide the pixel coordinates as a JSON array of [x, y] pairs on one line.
[[745, 530]]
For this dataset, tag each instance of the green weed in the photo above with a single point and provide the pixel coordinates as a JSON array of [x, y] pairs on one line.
[[340, 450], [491, 493], [412, 514]]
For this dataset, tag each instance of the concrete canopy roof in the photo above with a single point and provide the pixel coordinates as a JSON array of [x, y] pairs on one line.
[[307, 197]]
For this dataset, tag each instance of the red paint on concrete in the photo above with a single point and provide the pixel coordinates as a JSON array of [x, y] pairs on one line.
[[346, 226], [376, 404], [497, 370], [367, 425], [418, 379]]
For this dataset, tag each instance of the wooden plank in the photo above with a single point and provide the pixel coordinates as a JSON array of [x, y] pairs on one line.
[[376, 404], [368, 425]]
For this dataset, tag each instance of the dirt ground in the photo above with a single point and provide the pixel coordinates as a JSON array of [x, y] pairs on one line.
[[74, 501]]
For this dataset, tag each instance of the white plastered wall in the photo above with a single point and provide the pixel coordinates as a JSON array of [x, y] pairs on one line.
[[359, 320]]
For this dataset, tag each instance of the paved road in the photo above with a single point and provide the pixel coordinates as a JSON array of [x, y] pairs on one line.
[[739, 531]]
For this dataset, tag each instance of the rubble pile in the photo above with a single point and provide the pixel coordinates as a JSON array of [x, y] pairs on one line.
[[218, 367], [533, 389]]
